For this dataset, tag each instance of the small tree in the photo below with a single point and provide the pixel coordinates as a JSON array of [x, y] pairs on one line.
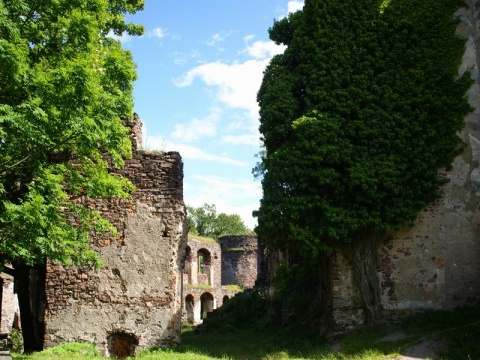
[[204, 221], [64, 87], [357, 117]]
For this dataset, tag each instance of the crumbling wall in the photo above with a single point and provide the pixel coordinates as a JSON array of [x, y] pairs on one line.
[[9, 305], [240, 260], [436, 264], [137, 294], [211, 274]]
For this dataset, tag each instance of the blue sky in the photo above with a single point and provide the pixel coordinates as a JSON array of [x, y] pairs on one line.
[[200, 65]]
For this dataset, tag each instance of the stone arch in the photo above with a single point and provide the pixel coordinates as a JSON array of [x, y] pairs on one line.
[[190, 308], [121, 344], [187, 269], [207, 304], [205, 269], [225, 299]]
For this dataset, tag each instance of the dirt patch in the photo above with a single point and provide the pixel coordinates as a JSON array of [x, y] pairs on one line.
[[426, 349]]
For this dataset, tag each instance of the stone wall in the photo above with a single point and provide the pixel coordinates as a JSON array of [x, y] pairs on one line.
[[9, 305], [436, 264], [202, 288], [239, 260], [134, 300]]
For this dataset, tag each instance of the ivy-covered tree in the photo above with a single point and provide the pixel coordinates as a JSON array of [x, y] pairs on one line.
[[357, 117], [65, 85], [205, 221]]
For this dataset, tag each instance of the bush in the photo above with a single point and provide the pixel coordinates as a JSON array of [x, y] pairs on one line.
[[17, 340]]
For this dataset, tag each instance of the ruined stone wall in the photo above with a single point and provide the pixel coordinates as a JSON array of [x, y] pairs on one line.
[[239, 260], [212, 269], [9, 305], [137, 293], [436, 264], [199, 288]]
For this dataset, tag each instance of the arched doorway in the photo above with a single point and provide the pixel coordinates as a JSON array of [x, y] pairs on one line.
[[206, 301], [187, 269], [189, 308], [121, 345], [225, 299]]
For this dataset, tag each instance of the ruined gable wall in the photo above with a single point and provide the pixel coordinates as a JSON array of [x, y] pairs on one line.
[[239, 260], [138, 290], [437, 263]]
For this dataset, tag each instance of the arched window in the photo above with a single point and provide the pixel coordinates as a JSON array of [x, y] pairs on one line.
[[204, 260]]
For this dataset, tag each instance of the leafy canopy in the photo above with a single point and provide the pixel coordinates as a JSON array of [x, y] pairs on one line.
[[204, 221], [64, 87], [357, 117]]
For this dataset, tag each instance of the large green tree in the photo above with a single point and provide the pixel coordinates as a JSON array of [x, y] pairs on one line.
[[65, 86], [205, 221], [357, 117]]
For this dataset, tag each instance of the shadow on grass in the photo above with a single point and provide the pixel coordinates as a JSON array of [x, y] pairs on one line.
[[270, 344], [456, 331]]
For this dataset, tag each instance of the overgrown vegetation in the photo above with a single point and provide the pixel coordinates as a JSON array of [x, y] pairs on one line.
[[198, 286], [357, 116], [457, 331], [235, 288]]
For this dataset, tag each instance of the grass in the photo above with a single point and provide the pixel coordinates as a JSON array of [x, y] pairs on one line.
[[198, 286], [234, 288], [458, 331], [205, 240]]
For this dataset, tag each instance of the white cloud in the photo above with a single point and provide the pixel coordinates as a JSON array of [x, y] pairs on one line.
[[295, 5], [236, 84], [230, 196], [264, 49], [198, 128], [124, 38], [157, 32], [217, 38], [248, 37]]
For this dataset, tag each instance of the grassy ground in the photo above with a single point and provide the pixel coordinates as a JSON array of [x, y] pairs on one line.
[[458, 331]]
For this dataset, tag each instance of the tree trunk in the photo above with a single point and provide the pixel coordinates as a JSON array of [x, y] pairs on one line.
[[363, 255], [31, 301]]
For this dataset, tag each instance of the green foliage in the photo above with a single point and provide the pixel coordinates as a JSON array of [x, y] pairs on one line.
[[244, 310], [204, 221], [357, 116], [17, 340], [235, 288], [64, 88]]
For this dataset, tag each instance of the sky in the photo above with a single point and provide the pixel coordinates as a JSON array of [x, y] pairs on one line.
[[200, 64]]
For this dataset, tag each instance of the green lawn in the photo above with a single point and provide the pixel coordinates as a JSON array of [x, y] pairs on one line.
[[458, 331]]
